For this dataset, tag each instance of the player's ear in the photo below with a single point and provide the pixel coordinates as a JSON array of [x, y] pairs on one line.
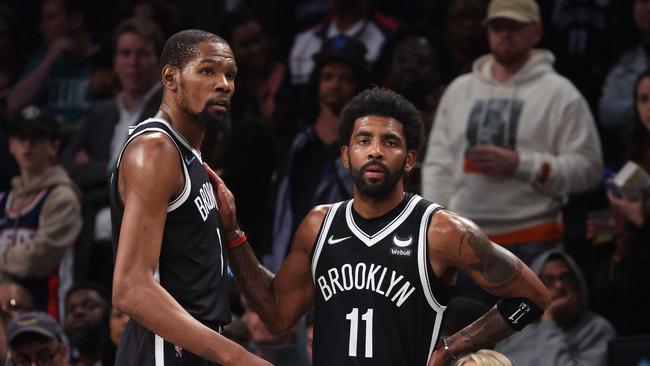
[[344, 156], [411, 155], [170, 77]]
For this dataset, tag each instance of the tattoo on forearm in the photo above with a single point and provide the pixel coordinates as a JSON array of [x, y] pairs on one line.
[[254, 280], [498, 269], [486, 331]]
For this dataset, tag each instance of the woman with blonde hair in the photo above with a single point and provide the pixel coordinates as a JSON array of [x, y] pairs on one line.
[[484, 357]]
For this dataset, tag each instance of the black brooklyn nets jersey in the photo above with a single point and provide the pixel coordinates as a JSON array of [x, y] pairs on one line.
[[192, 263], [378, 302]]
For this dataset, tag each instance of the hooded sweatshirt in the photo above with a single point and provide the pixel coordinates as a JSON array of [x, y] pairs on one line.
[[542, 343], [538, 113], [40, 256]]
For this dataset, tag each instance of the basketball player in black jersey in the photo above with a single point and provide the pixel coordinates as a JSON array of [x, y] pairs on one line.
[[170, 267], [380, 267]]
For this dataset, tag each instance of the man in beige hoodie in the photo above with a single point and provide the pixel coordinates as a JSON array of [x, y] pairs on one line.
[[512, 139], [40, 218]]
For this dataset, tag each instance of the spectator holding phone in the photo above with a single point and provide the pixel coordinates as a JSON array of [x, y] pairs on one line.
[[620, 291]]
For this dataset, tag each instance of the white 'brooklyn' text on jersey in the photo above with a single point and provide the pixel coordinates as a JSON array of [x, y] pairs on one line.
[[377, 301]]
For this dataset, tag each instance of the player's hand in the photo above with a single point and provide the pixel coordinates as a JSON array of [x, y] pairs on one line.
[[226, 203], [494, 160]]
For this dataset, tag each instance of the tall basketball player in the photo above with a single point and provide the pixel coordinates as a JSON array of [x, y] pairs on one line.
[[170, 268], [381, 267]]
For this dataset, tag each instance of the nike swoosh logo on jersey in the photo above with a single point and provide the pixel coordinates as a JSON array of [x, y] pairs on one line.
[[331, 240], [189, 161], [402, 243]]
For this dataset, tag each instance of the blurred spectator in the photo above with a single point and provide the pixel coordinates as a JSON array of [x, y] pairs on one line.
[[36, 338], [86, 320], [512, 139], [160, 12], [90, 155], [568, 333], [411, 63], [580, 35], [349, 17], [117, 323], [616, 106], [57, 77], [40, 217], [278, 349], [259, 74], [313, 172], [11, 62], [14, 299], [466, 37], [484, 357], [621, 291]]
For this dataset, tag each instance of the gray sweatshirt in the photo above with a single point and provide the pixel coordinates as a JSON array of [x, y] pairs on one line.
[[546, 343]]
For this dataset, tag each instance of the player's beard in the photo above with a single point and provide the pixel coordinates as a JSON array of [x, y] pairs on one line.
[[376, 189], [216, 121], [205, 118]]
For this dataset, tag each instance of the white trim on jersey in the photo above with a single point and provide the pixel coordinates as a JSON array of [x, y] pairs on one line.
[[159, 343], [182, 197], [329, 217], [178, 136], [371, 240], [159, 349], [423, 261], [423, 265], [436, 330]]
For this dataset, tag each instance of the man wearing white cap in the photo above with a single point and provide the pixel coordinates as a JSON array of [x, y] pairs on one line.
[[512, 139]]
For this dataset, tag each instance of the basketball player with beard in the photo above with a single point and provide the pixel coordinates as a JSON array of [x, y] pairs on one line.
[[170, 267], [381, 267]]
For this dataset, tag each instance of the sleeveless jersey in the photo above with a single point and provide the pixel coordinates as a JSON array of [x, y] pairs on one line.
[[192, 264], [18, 227], [377, 302]]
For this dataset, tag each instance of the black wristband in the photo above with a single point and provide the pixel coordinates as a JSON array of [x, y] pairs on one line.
[[518, 312]]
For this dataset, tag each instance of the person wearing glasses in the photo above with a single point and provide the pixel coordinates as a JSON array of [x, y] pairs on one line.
[[568, 332], [35, 338]]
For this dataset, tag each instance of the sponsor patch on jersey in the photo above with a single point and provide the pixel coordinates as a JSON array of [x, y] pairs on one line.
[[401, 246]]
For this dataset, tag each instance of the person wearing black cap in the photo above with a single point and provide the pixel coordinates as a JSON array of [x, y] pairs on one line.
[[35, 337], [313, 172], [40, 218]]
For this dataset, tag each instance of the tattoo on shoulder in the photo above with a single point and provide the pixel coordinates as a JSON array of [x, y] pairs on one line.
[[498, 269]]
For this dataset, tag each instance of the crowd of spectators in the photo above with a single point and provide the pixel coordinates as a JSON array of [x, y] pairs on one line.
[[526, 118]]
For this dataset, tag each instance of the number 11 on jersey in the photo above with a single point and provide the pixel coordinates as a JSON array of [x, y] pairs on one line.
[[353, 317]]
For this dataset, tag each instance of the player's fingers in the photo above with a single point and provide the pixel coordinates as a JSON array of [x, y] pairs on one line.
[[213, 175]]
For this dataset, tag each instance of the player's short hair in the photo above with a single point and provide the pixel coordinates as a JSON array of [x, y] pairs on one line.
[[385, 103], [144, 28], [181, 47]]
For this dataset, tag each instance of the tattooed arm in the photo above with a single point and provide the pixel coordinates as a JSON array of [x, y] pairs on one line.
[[456, 243], [279, 300]]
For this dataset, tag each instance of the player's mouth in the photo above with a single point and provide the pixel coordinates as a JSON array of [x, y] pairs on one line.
[[220, 105], [374, 171]]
